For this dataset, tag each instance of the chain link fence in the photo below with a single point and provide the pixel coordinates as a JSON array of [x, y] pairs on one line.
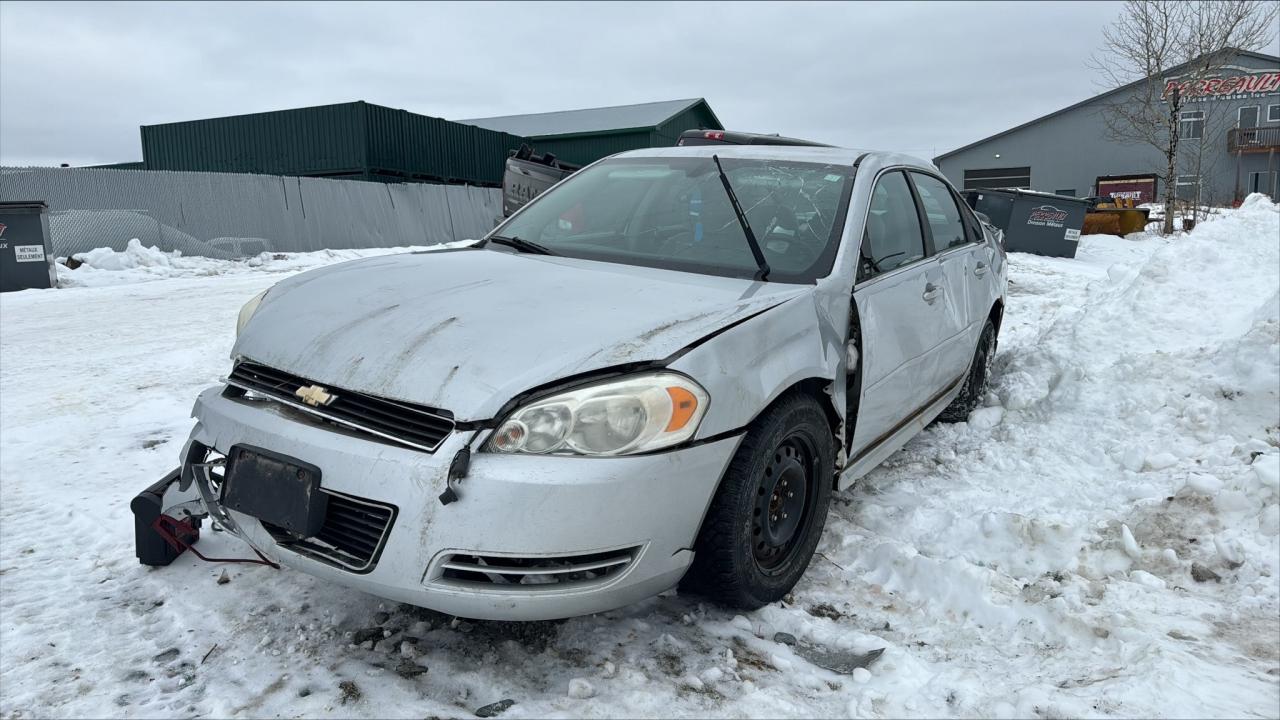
[[227, 215]]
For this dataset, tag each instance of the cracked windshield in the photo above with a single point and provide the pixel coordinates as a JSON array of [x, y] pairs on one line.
[[675, 213]]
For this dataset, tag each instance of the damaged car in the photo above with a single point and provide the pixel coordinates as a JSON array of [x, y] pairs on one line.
[[653, 375]]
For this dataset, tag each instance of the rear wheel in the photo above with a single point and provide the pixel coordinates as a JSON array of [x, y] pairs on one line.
[[767, 516], [975, 383]]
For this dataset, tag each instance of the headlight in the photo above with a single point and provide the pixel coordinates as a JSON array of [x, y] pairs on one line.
[[248, 310], [618, 417]]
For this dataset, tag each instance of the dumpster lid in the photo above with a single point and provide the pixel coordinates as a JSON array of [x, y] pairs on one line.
[[23, 205], [1027, 194]]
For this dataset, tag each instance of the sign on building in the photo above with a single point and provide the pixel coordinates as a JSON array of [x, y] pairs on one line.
[[1230, 83]]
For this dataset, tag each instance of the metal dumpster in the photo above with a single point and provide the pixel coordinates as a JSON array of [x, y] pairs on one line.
[[26, 260], [1033, 222]]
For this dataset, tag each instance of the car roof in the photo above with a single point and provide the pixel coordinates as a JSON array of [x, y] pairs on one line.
[[735, 137], [798, 153]]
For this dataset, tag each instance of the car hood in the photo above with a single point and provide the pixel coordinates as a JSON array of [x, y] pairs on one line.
[[465, 330]]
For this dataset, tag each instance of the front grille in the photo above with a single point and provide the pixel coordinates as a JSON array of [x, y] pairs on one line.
[[533, 573], [415, 426], [353, 533]]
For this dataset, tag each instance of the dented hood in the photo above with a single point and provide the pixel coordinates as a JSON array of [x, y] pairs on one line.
[[465, 330]]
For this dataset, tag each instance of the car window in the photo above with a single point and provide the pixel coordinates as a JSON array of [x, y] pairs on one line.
[[942, 212], [673, 212], [971, 221], [893, 236]]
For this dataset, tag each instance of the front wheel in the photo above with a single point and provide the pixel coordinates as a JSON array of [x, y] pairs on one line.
[[767, 516]]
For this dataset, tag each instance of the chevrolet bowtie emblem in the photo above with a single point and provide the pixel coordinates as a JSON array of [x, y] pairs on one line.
[[315, 396]]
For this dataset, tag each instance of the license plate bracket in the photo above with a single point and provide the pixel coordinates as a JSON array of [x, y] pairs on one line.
[[275, 488]]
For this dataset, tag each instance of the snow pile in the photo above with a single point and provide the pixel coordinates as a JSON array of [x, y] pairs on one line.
[[134, 256], [1128, 446], [137, 263], [1102, 539]]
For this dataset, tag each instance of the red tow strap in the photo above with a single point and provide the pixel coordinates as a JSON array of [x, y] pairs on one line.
[[176, 529]]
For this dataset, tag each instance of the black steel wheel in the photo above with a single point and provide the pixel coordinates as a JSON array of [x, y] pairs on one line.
[[766, 518], [782, 501]]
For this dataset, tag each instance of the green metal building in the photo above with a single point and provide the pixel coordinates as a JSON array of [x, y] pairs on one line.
[[583, 136], [353, 141]]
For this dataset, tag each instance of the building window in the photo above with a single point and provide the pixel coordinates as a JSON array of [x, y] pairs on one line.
[[1263, 182], [1247, 117], [1273, 113], [1189, 188], [1191, 125], [992, 178]]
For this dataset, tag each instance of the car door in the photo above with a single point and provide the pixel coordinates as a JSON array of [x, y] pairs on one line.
[[984, 273], [951, 245], [897, 295]]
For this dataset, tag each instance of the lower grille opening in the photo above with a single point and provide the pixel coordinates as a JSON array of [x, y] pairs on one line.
[[493, 572], [351, 538]]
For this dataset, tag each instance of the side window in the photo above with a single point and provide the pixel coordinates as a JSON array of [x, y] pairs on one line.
[[970, 221], [940, 208], [893, 236]]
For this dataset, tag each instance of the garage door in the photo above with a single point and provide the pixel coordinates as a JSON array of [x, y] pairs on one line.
[[990, 178]]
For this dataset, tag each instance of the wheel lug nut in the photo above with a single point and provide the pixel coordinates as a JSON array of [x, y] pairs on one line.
[[773, 517], [784, 516], [790, 494]]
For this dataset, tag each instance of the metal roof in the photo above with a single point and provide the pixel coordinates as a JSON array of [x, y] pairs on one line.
[[643, 116], [1086, 101]]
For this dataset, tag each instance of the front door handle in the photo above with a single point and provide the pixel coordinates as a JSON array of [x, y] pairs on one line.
[[931, 292], [980, 269]]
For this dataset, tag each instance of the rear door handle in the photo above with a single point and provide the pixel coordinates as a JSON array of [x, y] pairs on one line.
[[980, 269], [931, 292]]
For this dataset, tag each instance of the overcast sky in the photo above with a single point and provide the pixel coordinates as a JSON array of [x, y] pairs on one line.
[[76, 81]]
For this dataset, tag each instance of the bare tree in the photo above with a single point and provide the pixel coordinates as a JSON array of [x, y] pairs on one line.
[[1151, 39]]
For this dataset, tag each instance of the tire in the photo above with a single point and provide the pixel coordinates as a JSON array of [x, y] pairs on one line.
[[975, 383], [760, 531]]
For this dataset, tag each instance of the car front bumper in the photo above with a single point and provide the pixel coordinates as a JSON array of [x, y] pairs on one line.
[[514, 511]]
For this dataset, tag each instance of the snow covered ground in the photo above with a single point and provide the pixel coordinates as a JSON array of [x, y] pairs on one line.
[[1035, 561]]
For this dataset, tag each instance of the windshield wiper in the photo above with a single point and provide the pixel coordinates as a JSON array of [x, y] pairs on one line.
[[521, 244], [761, 263]]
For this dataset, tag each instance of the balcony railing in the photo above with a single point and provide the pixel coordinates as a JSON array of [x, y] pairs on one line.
[[1254, 139]]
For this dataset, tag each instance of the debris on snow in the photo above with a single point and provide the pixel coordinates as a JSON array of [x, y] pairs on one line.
[[494, 709], [350, 692], [838, 661], [1200, 573], [409, 669]]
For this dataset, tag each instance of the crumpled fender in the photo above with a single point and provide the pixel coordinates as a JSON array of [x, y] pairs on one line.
[[749, 365]]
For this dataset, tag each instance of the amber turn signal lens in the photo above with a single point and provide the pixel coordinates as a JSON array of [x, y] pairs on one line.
[[683, 406]]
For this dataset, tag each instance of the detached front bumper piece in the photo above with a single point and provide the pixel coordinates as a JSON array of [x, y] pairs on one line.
[[531, 537], [150, 546]]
